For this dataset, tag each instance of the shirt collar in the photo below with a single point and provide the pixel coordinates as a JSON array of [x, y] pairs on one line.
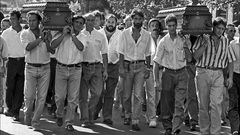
[[87, 32], [131, 30]]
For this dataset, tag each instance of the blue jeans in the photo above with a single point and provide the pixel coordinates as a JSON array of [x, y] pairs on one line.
[[92, 80], [67, 83], [133, 83], [209, 85], [36, 86]]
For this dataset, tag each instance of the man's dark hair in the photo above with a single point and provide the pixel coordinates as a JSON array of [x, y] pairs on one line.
[[230, 24], [112, 16], [6, 19], [35, 12], [155, 20], [1, 16], [219, 20], [15, 12], [75, 17], [137, 11], [171, 18], [97, 13]]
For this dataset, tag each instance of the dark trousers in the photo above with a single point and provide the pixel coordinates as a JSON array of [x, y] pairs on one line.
[[191, 105], [107, 97], [51, 88], [174, 88], [15, 84], [234, 102]]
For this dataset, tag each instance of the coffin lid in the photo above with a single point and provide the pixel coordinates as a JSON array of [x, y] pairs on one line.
[[49, 6]]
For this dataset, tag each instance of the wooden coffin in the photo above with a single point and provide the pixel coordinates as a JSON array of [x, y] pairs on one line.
[[194, 20], [56, 15]]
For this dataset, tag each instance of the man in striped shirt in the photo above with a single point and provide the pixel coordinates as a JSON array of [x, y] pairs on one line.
[[212, 54]]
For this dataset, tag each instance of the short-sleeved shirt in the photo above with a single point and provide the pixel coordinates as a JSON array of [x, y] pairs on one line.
[[113, 42], [67, 52], [131, 50], [3, 50], [39, 54], [12, 38], [235, 45], [214, 57], [96, 46], [170, 53]]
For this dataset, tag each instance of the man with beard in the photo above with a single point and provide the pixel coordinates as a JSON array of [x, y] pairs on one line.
[[15, 66], [106, 100], [69, 46], [37, 68], [155, 28], [135, 54], [170, 55]]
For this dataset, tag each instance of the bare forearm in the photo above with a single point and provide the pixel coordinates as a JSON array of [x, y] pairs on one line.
[[148, 60], [156, 71], [230, 70], [121, 60], [197, 54], [33, 44], [55, 43], [77, 43], [105, 61]]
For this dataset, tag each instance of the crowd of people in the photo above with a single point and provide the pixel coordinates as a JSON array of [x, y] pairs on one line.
[[97, 64]]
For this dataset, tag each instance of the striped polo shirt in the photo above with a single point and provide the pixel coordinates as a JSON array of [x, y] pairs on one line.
[[214, 57]]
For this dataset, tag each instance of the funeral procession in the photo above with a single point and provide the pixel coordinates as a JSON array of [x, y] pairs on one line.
[[120, 67]]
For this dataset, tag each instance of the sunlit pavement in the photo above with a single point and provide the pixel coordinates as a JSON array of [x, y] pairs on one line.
[[48, 126]]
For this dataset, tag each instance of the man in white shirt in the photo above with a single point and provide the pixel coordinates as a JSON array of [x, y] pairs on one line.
[[95, 62], [37, 68], [69, 46], [15, 66], [170, 55], [155, 28], [234, 92], [135, 54], [112, 34]]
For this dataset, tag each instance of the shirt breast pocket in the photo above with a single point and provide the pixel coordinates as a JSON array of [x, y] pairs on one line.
[[180, 54]]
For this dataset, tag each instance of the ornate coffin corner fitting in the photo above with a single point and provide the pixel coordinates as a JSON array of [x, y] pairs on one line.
[[56, 15], [194, 20]]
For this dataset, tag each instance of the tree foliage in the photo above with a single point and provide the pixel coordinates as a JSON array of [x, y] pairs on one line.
[[149, 7]]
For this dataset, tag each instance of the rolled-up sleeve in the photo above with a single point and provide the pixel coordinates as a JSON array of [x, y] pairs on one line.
[[159, 53], [148, 49], [104, 49], [231, 54], [24, 38], [122, 44]]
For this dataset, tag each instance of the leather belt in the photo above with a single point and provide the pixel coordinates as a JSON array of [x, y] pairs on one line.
[[210, 68], [37, 64], [175, 70], [134, 62], [17, 58], [70, 65], [91, 63]]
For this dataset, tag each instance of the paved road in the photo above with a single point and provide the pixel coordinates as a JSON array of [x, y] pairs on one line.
[[48, 127]]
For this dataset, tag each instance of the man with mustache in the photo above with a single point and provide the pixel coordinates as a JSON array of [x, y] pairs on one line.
[[135, 55], [112, 34], [155, 28]]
